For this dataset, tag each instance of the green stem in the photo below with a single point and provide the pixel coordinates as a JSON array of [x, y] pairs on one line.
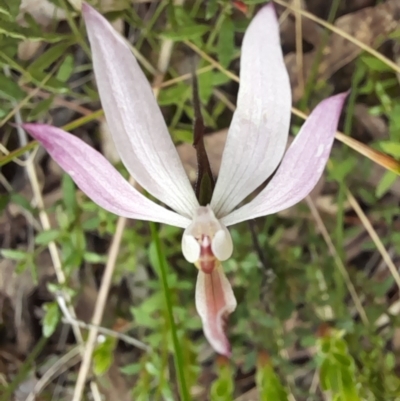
[[83, 120], [74, 28], [351, 103], [349, 115], [178, 356]]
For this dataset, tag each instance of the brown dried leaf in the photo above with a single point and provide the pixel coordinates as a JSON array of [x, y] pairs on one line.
[[366, 25]]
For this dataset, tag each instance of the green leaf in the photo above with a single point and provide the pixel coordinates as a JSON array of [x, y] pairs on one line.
[[219, 78], [212, 8], [205, 86], [51, 318], [394, 122], [269, 385], [325, 345], [241, 25], [92, 257], [45, 237], [152, 369], [342, 169], [146, 314], [342, 359], [334, 377], [10, 8], [4, 11], [4, 200], [384, 98], [14, 254], [20, 200], [182, 135], [375, 64], [390, 147], [367, 88], [66, 69], [91, 224], [131, 369], [186, 32], [41, 108], [386, 182], [52, 84], [53, 54], [395, 34], [174, 95], [103, 356], [10, 90], [69, 195], [78, 240], [222, 388], [8, 48], [218, 109], [226, 44], [324, 375], [71, 261], [12, 30]]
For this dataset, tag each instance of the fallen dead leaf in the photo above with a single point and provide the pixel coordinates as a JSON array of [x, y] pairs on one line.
[[366, 25]]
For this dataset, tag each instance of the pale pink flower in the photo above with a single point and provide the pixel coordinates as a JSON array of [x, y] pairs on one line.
[[254, 148]]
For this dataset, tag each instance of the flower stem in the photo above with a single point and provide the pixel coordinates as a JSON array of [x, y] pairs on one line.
[[178, 357]]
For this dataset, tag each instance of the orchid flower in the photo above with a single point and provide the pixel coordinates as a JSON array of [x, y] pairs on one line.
[[255, 145]]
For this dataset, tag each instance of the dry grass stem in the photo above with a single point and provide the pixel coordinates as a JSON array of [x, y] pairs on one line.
[[45, 222], [338, 261], [99, 310], [374, 236], [60, 366]]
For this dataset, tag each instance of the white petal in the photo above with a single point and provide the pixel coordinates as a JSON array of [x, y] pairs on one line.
[[214, 302], [222, 245], [258, 134], [98, 179], [302, 166], [136, 123], [190, 248]]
